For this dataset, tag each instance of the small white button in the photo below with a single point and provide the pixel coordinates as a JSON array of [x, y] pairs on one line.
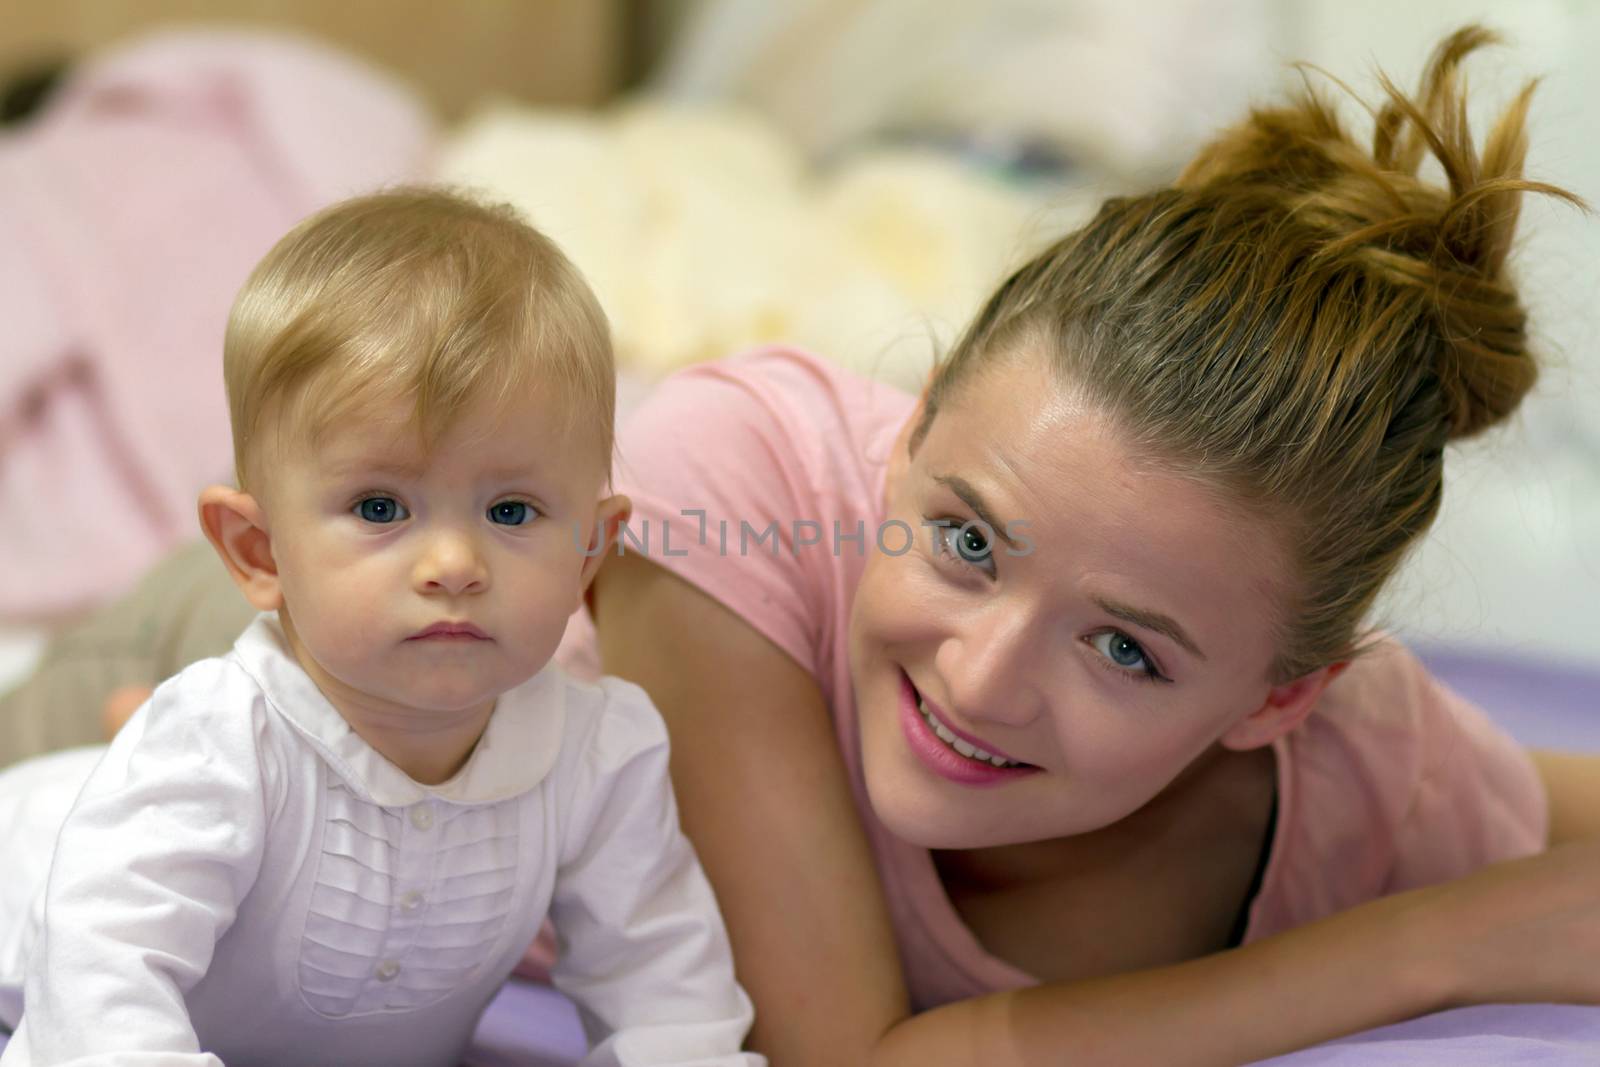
[[411, 901], [422, 817], [387, 970]]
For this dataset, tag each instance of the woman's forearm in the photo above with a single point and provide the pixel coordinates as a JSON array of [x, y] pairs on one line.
[[1359, 969]]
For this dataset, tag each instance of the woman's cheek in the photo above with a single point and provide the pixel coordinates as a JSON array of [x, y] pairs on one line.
[[1098, 738]]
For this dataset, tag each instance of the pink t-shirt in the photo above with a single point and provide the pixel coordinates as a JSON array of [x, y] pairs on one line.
[[1392, 782]]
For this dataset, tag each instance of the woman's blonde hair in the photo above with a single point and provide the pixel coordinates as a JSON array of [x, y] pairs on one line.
[[1301, 321], [413, 293]]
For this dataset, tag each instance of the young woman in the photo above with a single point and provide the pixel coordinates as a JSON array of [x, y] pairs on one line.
[[1001, 714]]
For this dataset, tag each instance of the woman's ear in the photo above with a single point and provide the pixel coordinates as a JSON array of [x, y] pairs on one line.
[[609, 515], [1285, 707], [237, 528]]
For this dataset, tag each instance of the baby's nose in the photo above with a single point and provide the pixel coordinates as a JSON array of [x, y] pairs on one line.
[[451, 564]]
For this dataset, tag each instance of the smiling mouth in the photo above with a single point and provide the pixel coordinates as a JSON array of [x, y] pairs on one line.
[[960, 745]]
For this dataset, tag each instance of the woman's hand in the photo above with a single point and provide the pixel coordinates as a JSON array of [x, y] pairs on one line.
[[1525, 931]]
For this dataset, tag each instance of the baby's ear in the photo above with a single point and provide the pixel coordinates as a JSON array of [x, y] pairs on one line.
[[1285, 707], [609, 515], [237, 528]]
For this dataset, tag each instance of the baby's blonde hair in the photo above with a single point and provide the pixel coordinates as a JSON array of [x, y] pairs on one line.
[[418, 293]]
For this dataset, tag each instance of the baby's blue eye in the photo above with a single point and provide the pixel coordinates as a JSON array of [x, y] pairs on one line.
[[510, 513], [381, 510]]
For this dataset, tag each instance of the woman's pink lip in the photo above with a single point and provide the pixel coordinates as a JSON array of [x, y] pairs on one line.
[[938, 713], [942, 760], [450, 629]]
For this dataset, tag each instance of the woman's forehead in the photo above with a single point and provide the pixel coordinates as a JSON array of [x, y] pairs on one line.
[[1047, 457]]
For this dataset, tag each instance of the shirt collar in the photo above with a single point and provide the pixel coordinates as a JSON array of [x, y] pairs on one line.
[[515, 753]]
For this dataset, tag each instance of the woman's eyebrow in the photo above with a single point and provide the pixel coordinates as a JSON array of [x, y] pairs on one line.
[[1150, 620], [974, 500]]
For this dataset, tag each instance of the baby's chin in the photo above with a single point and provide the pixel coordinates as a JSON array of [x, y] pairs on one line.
[[424, 695], [439, 702]]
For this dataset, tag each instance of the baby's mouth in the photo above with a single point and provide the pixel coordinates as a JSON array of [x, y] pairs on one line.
[[450, 631]]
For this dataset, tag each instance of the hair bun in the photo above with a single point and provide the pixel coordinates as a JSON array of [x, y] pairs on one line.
[[1443, 247]]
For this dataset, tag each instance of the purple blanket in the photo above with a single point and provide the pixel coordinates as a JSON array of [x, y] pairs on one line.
[[1495, 1035], [532, 1026]]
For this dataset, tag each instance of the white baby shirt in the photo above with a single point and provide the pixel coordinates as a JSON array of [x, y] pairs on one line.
[[243, 874]]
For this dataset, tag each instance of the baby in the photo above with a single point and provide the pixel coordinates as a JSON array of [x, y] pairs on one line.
[[332, 845]]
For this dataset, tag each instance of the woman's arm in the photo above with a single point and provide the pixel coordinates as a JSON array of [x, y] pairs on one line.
[[765, 799], [763, 795]]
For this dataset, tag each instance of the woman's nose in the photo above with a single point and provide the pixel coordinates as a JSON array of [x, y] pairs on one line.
[[451, 565], [987, 666]]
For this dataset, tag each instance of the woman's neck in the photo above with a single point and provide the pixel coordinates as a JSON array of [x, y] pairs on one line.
[[1226, 795], [1162, 885]]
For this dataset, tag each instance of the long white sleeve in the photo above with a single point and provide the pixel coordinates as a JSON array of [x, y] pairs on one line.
[[162, 844], [644, 951]]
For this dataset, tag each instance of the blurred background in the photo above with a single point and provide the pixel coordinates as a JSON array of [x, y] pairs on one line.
[[848, 175]]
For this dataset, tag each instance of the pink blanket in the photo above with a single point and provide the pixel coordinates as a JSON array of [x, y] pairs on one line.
[[130, 212]]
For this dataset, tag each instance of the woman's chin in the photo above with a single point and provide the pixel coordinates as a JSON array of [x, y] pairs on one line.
[[918, 816]]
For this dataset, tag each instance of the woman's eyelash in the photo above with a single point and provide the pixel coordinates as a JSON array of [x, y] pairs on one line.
[[945, 529], [1144, 674]]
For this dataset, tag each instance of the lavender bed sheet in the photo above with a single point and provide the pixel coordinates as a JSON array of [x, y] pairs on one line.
[[1542, 705]]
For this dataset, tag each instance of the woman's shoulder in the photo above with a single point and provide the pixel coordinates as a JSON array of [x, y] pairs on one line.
[[791, 404], [1380, 724], [1389, 713], [1391, 751], [757, 479], [1393, 781]]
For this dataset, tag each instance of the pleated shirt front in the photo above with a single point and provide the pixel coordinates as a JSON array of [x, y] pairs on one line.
[[244, 879]]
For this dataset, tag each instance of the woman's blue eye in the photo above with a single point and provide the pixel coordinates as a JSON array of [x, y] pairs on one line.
[[971, 544], [510, 513], [381, 510], [967, 543], [1126, 653]]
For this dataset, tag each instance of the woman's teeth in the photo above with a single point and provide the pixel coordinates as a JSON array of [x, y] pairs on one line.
[[972, 752]]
